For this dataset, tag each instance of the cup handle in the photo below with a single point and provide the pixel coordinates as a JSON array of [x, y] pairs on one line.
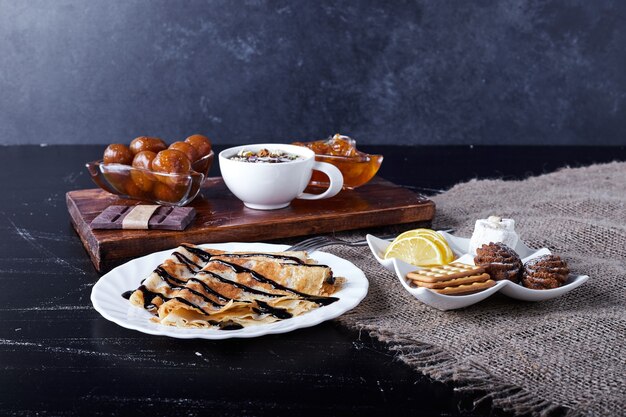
[[336, 181]]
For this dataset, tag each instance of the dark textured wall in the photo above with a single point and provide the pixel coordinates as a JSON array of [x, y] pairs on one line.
[[403, 72]]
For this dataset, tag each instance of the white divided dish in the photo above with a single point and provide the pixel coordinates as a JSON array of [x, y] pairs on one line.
[[460, 247], [107, 299]]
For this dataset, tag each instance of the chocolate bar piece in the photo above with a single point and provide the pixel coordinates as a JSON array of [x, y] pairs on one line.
[[163, 218]]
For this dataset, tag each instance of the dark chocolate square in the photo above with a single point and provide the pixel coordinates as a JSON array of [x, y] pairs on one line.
[[164, 218]]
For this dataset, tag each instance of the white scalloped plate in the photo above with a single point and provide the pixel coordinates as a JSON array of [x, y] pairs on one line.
[[106, 296], [460, 247]]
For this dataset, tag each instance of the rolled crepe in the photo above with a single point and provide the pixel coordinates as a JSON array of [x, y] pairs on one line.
[[196, 287]]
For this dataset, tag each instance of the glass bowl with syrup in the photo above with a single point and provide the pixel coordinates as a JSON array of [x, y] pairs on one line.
[[167, 189], [357, 167]]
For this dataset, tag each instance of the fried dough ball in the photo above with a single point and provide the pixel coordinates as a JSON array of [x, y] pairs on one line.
[[171, 161], [201, 143], [187, 149], [131, 189], [143, 159], [117, 153], [164, 192], [144, 180], [147, 143]]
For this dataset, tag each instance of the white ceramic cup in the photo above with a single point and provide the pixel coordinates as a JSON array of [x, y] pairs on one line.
[[270, 186]]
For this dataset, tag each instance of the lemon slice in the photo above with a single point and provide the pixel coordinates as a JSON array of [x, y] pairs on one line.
[[435, 237], [417, 250], [448, 255], [419, 232]]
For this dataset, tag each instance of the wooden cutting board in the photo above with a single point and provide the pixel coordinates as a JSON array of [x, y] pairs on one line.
[[221, 217]]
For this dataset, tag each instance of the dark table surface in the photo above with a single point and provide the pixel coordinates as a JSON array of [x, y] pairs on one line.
[[59, 357]]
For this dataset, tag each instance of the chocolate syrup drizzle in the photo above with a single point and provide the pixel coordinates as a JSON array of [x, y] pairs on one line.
[[206, 256], [262, 307], [148, 296], [240, 286], [320, 300], [191, 266], [168, 278]]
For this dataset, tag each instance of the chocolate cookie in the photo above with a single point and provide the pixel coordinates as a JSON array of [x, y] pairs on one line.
[[499, 261], [545, 272]]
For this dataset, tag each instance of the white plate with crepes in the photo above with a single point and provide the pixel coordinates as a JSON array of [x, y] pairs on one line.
[[106, 296], [460, 247]]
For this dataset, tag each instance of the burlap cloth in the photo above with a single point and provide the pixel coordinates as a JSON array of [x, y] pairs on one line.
[[562, 354]]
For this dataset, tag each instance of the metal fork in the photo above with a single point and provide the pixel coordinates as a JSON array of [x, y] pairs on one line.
[[318, 242]]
